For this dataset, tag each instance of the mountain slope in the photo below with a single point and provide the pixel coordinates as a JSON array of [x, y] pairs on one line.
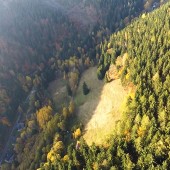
[[141, 139], [39, 39], [32, 32], [101, 108]]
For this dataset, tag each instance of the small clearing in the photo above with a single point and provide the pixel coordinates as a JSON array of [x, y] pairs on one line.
[[101, 108], [58, 92]]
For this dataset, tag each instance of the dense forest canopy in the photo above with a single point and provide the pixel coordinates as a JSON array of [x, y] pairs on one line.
[[41, 40], [31, 32]]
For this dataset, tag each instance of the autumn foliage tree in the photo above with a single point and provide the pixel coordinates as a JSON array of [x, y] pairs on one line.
[[44, 115], [71, 107], [5, 121], [65, 112], [77, 133]]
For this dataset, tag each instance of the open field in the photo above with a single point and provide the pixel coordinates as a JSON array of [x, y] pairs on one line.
[[101, 108], [58, 92]]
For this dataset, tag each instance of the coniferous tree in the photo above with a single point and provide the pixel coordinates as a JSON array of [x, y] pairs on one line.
[[86, 89]]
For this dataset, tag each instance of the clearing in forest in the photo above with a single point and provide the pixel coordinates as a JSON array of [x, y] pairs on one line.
[[101, 108], [58, 92]]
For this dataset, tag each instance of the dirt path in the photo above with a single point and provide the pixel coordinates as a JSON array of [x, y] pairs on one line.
[[100, 110]]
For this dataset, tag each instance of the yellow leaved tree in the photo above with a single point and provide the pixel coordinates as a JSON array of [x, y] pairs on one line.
[[44, 115], [77, 133]]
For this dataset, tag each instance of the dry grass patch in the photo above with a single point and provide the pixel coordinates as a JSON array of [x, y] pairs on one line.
[[101, 108]]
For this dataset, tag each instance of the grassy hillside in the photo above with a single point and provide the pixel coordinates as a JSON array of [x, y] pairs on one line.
[[101, 108], [141, 138]]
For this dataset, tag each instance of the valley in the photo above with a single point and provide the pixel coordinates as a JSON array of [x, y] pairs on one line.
[[87, 81]]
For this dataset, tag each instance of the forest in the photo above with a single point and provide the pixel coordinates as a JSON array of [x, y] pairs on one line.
[[46, 39], [42, 44]]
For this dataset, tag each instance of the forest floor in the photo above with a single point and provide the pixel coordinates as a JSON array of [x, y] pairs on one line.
[[101, 108]]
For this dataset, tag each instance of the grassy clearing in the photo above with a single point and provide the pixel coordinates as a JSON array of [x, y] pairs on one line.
[[101, 108], [95, 85], [58, 92]]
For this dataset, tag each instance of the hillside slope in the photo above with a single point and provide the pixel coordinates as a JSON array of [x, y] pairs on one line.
[[141, 140], [38, 41], [101, 108], [34, 33]]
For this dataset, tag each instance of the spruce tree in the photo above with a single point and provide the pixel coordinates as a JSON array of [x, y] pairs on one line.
[[86, 90]]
